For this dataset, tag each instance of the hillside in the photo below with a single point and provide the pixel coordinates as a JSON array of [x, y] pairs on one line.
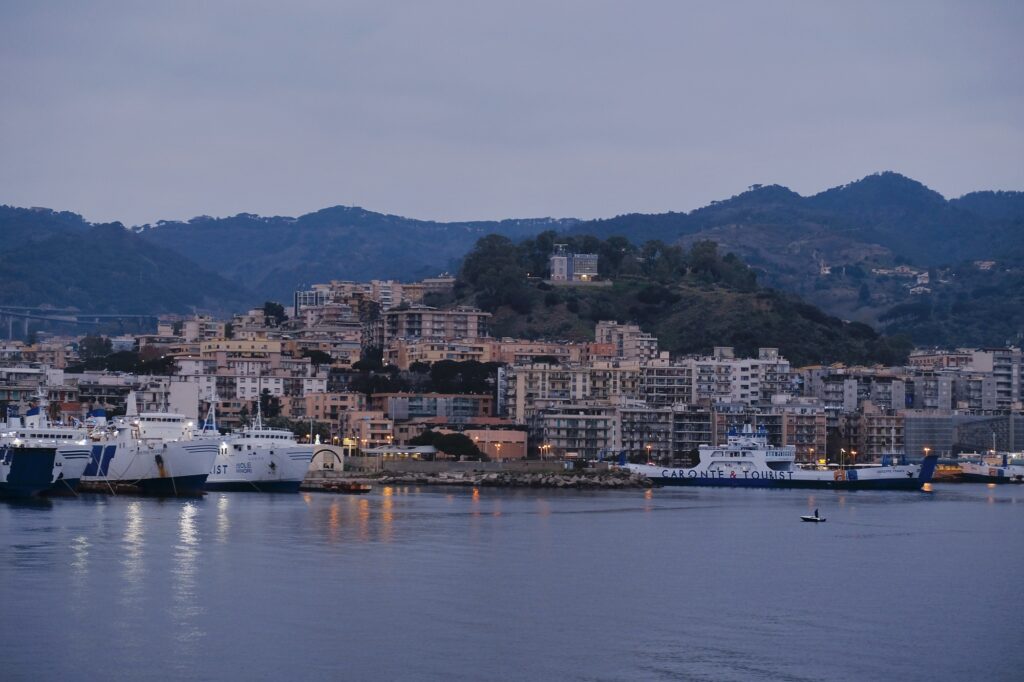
[[274, 256], [692, 300], [60, 259], [836, 249]]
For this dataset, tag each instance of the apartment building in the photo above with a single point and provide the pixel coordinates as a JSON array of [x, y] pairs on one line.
[[421, 321]]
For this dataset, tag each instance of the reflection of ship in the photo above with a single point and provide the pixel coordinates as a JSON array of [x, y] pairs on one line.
[[42, 445], [747, 460], [996, 469], [155, 453], [257, 458]]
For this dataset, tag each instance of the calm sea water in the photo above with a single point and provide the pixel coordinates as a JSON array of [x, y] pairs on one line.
[[456, 584]]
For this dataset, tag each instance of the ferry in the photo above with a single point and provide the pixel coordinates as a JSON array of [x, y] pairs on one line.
[[1006, 469], [153, 453], [747, 460], [26, 471], [258, 459], [67, 443]]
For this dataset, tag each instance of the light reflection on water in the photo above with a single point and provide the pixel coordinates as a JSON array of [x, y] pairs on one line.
[[186, 605], [223, 518], [497, 584]]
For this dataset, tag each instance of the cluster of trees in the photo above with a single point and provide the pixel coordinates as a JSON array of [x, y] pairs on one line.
[[497, 271], [970, 307], [274, 312], [454, 444], [445, 376], [95, 355], [691, 300]]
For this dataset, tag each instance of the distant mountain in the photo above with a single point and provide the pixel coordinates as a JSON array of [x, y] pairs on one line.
[[60, 259], [828, 247], [886, 213], [835, 249], [274, 256]]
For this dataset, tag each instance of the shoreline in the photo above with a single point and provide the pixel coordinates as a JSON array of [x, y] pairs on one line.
[[578, 480]]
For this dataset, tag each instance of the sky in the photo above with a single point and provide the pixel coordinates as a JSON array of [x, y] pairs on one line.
[[448, 110]]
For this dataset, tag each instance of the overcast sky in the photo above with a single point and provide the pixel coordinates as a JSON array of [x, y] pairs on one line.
[[469, 110]]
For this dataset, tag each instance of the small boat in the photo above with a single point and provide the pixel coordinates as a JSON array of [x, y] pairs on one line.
[[813, 519]]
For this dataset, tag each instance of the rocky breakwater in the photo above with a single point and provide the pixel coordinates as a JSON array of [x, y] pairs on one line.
[[509, 479]]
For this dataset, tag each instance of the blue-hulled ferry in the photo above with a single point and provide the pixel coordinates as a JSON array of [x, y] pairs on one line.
[[746, 460]]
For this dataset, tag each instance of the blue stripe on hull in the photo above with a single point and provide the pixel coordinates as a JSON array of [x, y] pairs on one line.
[[181, 486], [31, 472], [885, 484], [254, 486]]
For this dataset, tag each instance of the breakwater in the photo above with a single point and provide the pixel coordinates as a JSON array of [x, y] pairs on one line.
[[507, 479]]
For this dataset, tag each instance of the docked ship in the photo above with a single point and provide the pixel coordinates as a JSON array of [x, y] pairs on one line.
[[32, 461], [153, 453], [1005, 469], [747, 460], [258, 459], [69, 443]]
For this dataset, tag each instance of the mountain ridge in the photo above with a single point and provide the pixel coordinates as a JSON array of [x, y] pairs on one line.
[[825, 247]]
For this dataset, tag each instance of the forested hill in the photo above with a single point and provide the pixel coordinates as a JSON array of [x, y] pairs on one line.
[[59, 259], [886, 213], [838, 249], [275, 255], [691, 299]]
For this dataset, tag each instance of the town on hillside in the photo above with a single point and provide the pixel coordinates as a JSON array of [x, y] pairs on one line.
[[376, 367]]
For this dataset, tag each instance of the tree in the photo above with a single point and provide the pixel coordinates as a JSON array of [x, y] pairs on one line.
[[94, 347], [270, 405], [372, 360], [454, 444], [493, 271], [274, 311], [864, 295], [318, 357]]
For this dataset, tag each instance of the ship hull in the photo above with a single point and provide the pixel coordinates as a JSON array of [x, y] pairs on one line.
[[260, 470], [870, 478], [73, 462], [253, 486], [981, 478], [879, 484], [164, 470], [26, 472]]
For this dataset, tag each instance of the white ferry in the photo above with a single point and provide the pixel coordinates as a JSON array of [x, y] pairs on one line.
[[747, 460], [67, 444], [258, 459], [975, 468], [156, 453]]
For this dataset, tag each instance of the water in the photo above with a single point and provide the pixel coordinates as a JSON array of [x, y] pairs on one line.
[[456, 584]]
